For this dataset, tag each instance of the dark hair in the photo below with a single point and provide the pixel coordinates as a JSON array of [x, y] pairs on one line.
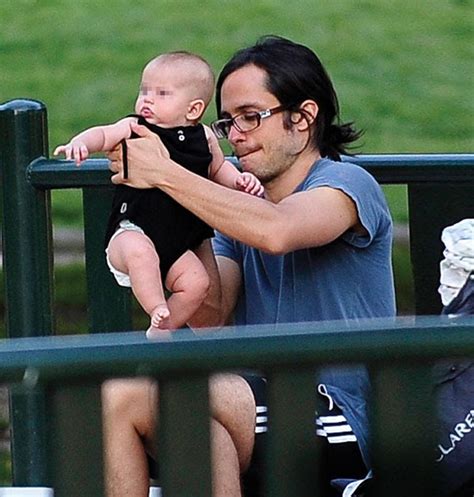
[[295, 74]]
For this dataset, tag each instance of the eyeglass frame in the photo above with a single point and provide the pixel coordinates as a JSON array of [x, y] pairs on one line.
[[262, 114]]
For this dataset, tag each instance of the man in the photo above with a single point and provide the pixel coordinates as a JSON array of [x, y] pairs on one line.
[[317, 246]]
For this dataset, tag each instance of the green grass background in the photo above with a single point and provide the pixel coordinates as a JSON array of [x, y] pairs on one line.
[[402, 69]]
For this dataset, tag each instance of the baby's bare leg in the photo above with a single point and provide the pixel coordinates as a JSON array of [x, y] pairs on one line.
[[133, 253], [188, 281]]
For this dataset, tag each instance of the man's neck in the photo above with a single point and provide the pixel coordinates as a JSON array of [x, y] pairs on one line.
[[285, 184]]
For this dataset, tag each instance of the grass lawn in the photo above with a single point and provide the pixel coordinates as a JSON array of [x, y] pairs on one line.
[[403, 71]]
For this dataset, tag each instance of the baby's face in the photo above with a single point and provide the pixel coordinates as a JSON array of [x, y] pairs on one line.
[[163, 99]]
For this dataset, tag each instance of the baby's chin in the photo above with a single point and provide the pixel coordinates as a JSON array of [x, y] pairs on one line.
[[147, 114], [152, 119]]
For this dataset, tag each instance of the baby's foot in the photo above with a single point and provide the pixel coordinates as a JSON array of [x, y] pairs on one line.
[[157, 333], [160, 317]]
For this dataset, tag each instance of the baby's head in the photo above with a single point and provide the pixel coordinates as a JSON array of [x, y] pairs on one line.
[[175, 90]]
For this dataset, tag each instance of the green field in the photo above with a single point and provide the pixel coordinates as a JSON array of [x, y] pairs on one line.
[[402, 69]]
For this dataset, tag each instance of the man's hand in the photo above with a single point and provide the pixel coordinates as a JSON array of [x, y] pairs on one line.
[[147, 158]]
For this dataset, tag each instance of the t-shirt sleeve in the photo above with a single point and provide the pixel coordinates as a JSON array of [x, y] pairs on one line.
[[366, 193], [225, 247]]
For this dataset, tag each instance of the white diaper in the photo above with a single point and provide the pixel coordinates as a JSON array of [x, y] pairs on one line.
[[121, 278]]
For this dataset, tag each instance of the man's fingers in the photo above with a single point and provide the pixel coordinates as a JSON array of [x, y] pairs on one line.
[[115, 154], [144, 153], [141, 130], [117, 179], [147, 137], [115, 158]]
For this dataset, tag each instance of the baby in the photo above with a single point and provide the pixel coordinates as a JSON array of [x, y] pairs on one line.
[[150, 238]]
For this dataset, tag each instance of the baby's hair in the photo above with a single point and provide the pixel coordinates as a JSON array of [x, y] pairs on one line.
[[198, 70]]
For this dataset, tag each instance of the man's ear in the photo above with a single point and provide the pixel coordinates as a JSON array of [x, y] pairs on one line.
[[306, 115], [196, 109]]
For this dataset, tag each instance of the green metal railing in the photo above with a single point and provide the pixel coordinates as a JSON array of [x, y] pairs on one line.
[[59, 389], [398, 353]]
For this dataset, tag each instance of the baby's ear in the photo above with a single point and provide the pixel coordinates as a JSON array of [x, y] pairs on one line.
[[196, 109]]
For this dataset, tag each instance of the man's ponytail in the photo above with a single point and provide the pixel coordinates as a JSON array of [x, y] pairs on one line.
[[337, 139]]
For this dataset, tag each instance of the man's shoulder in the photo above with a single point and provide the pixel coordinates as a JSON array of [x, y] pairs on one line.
[[325, 171], [329, 166]]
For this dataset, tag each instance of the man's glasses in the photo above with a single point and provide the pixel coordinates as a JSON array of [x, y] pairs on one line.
[[245, 122]]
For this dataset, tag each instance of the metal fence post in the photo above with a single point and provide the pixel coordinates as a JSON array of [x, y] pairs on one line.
[[292, 458], [184, 433], [75, 440], [109, 306], [403, 427], [27, 262]]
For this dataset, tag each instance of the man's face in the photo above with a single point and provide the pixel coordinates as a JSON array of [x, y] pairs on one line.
[[270, 149]]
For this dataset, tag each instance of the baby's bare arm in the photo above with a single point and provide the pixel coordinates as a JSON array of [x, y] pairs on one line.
[[220, 170], [225, 173], [96, 139]]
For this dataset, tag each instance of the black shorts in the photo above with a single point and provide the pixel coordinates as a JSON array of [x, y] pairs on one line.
[[341, 456]]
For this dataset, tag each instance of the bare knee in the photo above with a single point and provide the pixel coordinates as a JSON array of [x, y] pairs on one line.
[[201, 281], [131, 250], [130, 402], [189, 275], [233, 406]]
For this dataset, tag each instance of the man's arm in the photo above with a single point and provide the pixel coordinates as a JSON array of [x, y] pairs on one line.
[[301, 220]]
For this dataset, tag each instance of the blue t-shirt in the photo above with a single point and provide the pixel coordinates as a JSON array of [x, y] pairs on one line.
[[348, 278]]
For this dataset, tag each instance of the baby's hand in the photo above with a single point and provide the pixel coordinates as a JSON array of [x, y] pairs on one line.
[[248, 183], [74, 150]]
